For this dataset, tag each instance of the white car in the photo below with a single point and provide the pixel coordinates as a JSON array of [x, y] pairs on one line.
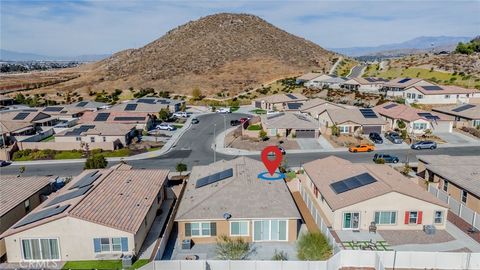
[[164, 126], [223, 110], [269, 112], [181, 114]]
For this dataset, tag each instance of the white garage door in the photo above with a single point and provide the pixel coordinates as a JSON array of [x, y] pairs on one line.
[[442, 126]]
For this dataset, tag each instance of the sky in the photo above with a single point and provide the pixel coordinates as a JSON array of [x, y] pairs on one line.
[[68, 28]]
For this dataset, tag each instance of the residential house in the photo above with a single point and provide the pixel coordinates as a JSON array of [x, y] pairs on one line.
[[227, 198], [466, 115], [326, 81], [352, 196], [6, 101], [15, 124], [150, 105], [290, 125], [367, 84], [100, 214], [439, 94], [142, 120], [316, 106], [120, 134], [278, 102], [351, 121], [20, 195], [317, 81], [416, 121], [307, 77], [457, 176], [396, 87]]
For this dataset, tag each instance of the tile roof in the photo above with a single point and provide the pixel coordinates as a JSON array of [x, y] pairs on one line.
[[463, 171], [341, 115], [289, 120], [366, 80], [445, 89], [405, 82], [119, 198], [309, 76], [326, 171], [471, 111], [146, 104], [280, 98], [404, 112], [15, 190], [242, 196]]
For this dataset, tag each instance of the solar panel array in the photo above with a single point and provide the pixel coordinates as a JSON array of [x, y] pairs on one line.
[[34, 217], [146, 100], [163, 101], [389, 106], [429, 116], [53, 109], [352, 183], [79, 130], [207, 180], [294, 106], [86, 180], [404, 80], [463, 108], [101, 117], [130, 107], [21, 116], [368, 113], [69, 195], [290, 96], [432, 87], [82, 104], [129, 118]]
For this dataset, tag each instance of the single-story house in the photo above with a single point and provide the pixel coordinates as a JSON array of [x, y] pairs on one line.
[[416, 121], [143, 120], [351, 121], [368, 84], [227, 198], [307, 77], [457, 176], [290, 125], [352, 196], [98, 132], [20, 195], [149, 105], [395, 87], [465, 114], [90, 105], [6, 101], [24, 123], [317, 81], [278, 102], [439, 94], [100, 214], [316, 106], [335, 82]]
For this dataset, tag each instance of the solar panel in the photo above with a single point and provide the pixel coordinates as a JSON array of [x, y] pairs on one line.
[[368, 113], [432, 87], [429, 116], [34, 217], [69, 195], [291, 96], [207, 180], [87, 180], [463, 108], [101, 117], [21, 116], [79, 130], [130, 107], [53, 109], [146, 100], [82, 104], [129, 118], [294, 106], [163, 101], [389, 106], [352, 183], [404, 80]]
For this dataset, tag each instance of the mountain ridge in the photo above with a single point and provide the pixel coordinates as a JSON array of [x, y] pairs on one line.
[[8, 55]]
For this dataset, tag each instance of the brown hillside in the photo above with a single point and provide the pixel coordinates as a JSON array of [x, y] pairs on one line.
[[222, 52]]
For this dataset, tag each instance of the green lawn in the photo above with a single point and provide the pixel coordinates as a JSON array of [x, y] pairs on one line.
[[255, 127], [344, 67], [258, 111], [103, 264], [234, 109], [48, 139], [68, 155], [178, 126], [154, 149]]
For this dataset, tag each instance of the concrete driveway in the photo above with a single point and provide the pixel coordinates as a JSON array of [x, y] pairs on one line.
[[308, 143], [387, 144], [456, 138]]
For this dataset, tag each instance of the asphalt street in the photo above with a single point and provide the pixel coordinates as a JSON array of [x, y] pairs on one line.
[[195, 148], [356, 71]]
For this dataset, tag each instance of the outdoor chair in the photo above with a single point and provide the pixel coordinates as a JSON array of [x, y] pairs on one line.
[[372, 227]]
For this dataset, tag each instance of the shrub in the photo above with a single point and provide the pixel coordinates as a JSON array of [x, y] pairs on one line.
[[313, 246], [181, 167], [96, 162], [254, 127], [280, 256], [262, 134], [232, 248], [401, 124], [335, 131], [380, 161]]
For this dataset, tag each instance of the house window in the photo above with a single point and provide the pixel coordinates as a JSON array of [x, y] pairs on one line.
[[114, 244], [270, 230], [200, 229], [92, 139], [40, 249], [464, 196], [445, 185], [239, 228], [419, 126], [476, 123], [27, 205], [413, 95], [438, 218], [104, 139], [420, 96], [78, 139], [104, 244], [458, 96], [344, 129], [409, 95], [412, 217], [386, 218], [447, 96]]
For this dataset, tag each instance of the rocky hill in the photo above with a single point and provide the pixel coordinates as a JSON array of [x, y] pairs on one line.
[[222, 52]]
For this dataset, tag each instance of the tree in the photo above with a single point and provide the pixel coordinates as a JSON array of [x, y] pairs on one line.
[[197, 93], [181, 167], [163, 114], [96, 162], [401, 124], [232, 248]]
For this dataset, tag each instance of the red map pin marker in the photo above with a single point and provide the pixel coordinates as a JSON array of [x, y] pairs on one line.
[[271, 165]]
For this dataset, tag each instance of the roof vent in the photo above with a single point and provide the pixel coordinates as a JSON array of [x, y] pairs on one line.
[[227, 216]]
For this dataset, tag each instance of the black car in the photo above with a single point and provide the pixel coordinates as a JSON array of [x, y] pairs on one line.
[[4, 163], [376, 138], [424, 145], [386, 158], [394, 137], [235, 122], [195, 121]]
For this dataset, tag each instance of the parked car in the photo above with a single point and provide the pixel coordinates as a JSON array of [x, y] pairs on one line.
[[376, 138], [244, 119], [424, 145], [223, 110], [165, 126], [394, 137], [235, 122], [282, 150], [269, 112], [387, 158], [361, 148], [4, 163], [181, 114], [195, 121]]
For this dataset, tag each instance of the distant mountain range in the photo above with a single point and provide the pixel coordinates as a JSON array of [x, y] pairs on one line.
[[6, 55], [416, 45]]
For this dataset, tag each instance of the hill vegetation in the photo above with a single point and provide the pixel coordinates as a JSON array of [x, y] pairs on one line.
[[470, 47]]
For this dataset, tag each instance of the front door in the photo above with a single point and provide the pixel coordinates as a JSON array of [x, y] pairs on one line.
[[351, 220]]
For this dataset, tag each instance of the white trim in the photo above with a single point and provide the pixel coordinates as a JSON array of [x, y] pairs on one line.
[[40, 245], [200, 229], [240, 221], [343, 220], [390, 224], [270, 230], [443, 216]]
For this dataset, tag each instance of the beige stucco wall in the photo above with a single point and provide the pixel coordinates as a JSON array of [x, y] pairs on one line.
[[60, 146], [87, 139], [473, 202]]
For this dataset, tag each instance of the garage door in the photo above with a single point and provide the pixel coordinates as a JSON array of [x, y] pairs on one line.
[[258, 104], [370, 129], [442, 127], [305, 133]]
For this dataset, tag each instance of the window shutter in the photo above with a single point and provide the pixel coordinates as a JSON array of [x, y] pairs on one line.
[[96, 244], [419, 219], [407, 217], [124, 244], [213, 229], [188, 231]]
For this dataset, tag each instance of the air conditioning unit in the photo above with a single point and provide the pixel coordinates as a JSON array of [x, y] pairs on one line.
[[429, 229]]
